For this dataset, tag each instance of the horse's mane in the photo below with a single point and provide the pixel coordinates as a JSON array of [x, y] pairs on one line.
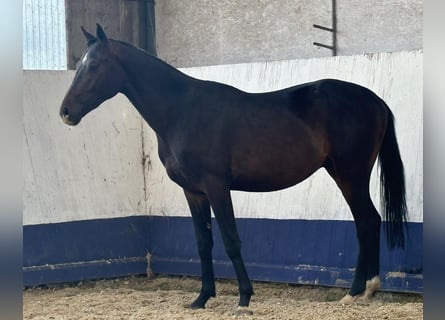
[[129, 45], [153, 58]]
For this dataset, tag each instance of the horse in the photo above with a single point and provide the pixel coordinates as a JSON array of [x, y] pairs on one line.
[[214, 138]]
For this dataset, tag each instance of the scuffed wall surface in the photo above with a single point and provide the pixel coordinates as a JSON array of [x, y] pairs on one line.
[[89, 171], [205, 32], [396, 77]]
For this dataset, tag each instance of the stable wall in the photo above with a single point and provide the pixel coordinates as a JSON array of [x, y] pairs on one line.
[[90, 171], [83, 187], [205, 32], [89, 212]]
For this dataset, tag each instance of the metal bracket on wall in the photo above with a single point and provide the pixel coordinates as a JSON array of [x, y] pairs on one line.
[[333, 47]]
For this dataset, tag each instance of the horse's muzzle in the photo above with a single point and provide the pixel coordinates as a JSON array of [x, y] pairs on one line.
[[67, 118]]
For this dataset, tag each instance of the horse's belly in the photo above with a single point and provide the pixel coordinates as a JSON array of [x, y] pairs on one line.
[[263, 167], [259, 186], [273, 178]]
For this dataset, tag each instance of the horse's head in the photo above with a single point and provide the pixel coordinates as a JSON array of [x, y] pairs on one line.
[[98, 77]]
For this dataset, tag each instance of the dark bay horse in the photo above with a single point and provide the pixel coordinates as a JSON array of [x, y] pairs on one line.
[[214, 138]]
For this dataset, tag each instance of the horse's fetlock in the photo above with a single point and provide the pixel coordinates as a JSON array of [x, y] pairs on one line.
[[208, 292]]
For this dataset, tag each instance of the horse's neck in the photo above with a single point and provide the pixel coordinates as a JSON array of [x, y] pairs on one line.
[[154, 88]]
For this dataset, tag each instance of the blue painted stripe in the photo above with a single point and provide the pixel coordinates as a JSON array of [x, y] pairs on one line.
[[87, 240], [286, 242], [84, 270], [320, 252], [80, 250], [298, 274], [297, 251]]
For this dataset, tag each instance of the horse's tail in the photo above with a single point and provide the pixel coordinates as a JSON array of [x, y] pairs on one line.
[[392, 180]]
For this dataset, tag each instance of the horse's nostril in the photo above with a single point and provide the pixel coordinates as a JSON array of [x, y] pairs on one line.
[[65, 111]]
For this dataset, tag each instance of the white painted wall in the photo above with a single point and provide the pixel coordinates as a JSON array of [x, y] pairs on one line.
[[74, 173], [94, 170]]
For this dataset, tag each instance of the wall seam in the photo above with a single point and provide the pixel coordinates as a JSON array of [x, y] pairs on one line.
[[145, 168]]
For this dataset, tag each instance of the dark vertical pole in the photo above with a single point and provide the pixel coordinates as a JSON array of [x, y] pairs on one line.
[[333, 47], [151, 31], [146, 25], [142, 24], [68, 31], [334, 27]]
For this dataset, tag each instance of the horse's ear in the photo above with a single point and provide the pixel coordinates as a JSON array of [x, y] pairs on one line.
[[101, 34], [90, 38]]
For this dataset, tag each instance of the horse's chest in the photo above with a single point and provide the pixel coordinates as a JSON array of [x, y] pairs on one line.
[[179, 172], [173, 169]]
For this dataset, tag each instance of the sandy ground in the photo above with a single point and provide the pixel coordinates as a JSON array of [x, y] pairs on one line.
[[166, 297]]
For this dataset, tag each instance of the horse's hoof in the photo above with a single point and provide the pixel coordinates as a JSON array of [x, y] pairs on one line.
[[348, 299], [241, 311], [194, 306], [201, 301], [371, 287]]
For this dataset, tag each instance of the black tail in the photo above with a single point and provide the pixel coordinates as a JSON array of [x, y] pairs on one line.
[[392, 180]]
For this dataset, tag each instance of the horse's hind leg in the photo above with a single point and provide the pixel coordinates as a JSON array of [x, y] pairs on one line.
[[354, 185]]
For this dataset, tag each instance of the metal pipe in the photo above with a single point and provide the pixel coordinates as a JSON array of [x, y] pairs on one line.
[[142, 24], [333, 30], [146, 25], [322, 28], [323, 45], [334, 27], [151, 31]]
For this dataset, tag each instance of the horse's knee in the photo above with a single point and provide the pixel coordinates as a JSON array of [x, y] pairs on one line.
[[205, 248]]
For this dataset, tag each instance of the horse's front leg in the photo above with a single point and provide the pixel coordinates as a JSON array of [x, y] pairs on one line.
[[200, 209], [221, 202]]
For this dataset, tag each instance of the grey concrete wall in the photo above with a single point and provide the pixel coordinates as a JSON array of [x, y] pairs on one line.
[[379, 25], [208, 32]]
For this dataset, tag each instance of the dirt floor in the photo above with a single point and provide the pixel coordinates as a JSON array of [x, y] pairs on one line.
[[166, 297]]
